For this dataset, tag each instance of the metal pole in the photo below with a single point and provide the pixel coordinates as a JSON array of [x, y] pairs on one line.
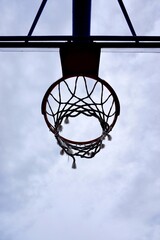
[[81, 18]]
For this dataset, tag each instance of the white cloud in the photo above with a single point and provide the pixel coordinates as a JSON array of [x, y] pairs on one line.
[[112, 196]]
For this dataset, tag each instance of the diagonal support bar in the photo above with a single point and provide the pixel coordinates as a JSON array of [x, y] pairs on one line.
[[37, 17], [122, 6]]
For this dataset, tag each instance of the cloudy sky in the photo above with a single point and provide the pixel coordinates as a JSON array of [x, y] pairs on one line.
[[116, 194]]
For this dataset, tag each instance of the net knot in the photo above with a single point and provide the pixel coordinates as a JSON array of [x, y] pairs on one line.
[[74, 166]]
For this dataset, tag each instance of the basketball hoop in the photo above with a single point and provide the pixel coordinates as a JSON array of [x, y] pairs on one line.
[[80, 92], [80, 95]]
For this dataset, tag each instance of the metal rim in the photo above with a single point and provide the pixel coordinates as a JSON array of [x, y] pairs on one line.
[[54, 131]]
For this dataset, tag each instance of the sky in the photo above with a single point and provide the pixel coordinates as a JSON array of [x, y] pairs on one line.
[[114, 195]]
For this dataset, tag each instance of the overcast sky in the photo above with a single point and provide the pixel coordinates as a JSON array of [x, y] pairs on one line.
[[115, 195]]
